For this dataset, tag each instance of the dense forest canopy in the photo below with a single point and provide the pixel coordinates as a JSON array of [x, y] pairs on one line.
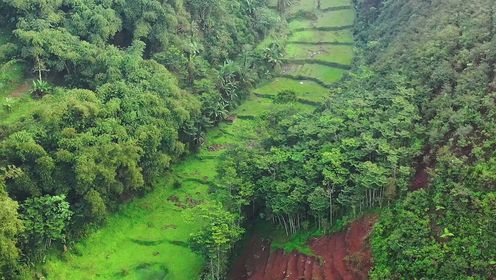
[[130, 87]]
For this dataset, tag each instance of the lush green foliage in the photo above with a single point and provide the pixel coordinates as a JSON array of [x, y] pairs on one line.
[[10, 226], [354, 154], [46, 219], [143, 80], [216, 239], [447, 51], [123, 89], [417, 112]]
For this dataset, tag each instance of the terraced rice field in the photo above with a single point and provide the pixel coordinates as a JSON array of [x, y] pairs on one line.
[[147, 238]]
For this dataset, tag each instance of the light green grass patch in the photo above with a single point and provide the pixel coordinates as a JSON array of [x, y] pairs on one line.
[[336, 18], [324, 4], [325, 19], [260, 105], [300, 23], [19, 108], [302, 6], [14, 100], [323, 73], [329, 53], [316, 36], [147, 232], [306, 90]]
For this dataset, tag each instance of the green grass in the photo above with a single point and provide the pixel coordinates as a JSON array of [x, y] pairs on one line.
[[316, 36], [21, 107], [150, 230], [302, 6], [336, 18], [327, 19], [329, 53], [11, 77], [323, 73], [300, 23], [146, 239], [259, 105], [306, 90], [14, 103], [324, 4], [272, 3]]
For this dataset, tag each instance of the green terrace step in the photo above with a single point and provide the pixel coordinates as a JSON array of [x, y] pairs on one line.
[[302, 78], [322, 74], [339, 53], [318, 36], [308, 90], [318, 62], [327, 4], [336, 18], [298, 100], [320, 43], [260, 105], [330, 21], [323, 28], [336, 8]]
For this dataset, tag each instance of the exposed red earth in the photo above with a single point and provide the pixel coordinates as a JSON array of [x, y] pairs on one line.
[[341, 256], [421, 178]]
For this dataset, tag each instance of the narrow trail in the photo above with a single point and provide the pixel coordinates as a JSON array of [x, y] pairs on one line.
[[146, 238]]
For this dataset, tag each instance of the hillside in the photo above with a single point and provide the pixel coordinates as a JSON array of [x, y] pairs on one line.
[[408, 134], [262, 140]]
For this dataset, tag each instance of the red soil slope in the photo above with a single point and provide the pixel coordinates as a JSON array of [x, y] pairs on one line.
[[341, 256]]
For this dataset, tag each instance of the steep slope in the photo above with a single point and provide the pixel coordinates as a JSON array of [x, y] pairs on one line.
[[343, 255]]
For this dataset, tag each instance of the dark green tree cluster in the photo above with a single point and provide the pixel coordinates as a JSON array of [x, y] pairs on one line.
[[10, 226], [125, 88], [447, 51], [219, 234], [354, 154]]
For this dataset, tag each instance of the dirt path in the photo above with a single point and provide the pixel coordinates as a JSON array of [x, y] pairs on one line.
[[344, 255], [21, 89]]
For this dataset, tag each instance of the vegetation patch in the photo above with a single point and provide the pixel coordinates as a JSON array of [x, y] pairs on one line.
[[341, 54], [329, 4], [124, 124], [319, 72], [302, 88], [316, 36], [341, 17]]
